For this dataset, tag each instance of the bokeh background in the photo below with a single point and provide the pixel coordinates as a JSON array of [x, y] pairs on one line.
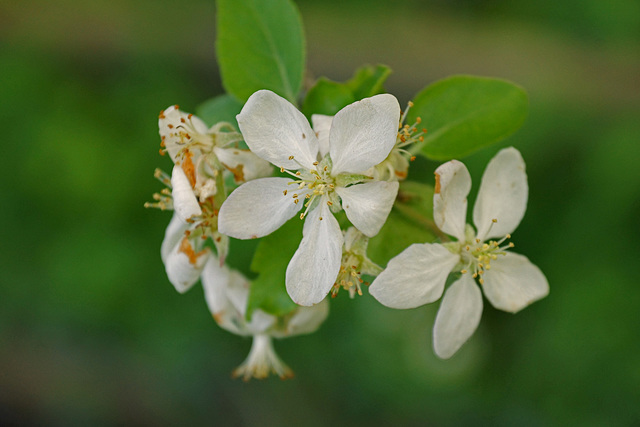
[[91, 331]]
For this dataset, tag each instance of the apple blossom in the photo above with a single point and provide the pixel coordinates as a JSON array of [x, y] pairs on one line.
[[327, 170], [510, 281]]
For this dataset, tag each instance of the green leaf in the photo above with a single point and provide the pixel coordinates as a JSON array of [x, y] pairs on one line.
[[329, 97], [223, 108], [410, 221], [260, 45], [326, 97], [268, 291], [465, 113], [368, 81]]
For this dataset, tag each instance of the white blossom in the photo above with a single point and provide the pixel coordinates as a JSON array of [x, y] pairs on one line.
[[510, 281], [327, 176], [227, 295]]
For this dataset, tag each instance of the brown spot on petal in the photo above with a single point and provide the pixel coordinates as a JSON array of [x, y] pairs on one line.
[[188, 168], [218, 316], [238, 172], [437, 189], [187, 249]]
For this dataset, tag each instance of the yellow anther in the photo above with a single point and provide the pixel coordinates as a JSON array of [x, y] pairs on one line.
[[481, 281], [329, 202], [284, 192], [281, 169], [494, 220], [302, 216], [485, 247], [290, 157], [463, 271]]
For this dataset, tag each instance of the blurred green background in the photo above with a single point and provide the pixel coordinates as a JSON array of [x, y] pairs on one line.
[[91, 331]]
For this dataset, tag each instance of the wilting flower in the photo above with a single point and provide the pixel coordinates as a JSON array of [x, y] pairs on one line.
[[327, 171], [510, 281], [227, 295], [196, 188]]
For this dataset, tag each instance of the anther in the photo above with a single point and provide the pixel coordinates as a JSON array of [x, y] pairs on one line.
[[284, 192], [290, 157]]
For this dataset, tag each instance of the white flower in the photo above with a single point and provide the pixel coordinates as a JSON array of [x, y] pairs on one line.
[[328, 177], [510, 281], [200, 154], [227, 295]]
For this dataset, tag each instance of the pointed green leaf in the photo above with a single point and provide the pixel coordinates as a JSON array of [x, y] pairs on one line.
[[329, 97], [260, 45], [326, 97], [368, 81], [270, 261], [223, 108], [465, 113]]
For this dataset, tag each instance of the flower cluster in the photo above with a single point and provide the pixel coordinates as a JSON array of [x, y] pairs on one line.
[[340, 175]]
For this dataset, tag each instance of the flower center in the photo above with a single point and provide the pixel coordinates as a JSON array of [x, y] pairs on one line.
[[349, 276], [311, 184], [477, 255]]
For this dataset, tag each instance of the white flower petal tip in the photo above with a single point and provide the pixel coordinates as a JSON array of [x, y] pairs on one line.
[[502, 196], [453, 183], [262, 361], [257, 208], [185, 202], [415, 277], [458, 316], [277, 132], [368, 205], [364, 133], [514, 282], [184, 265], [314, 267]]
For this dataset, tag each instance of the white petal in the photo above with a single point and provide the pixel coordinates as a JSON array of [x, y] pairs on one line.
[[368, 205], [275, 130], [514, 282], [453, 183], [243, 163], [305, 320], [322, 127], [172, 236], [215, 281], [363, 133], [314, 267], [260, 322], [185, 202], [503, 195], [458, 316], [184, 265], [415, 277], [257, 208], [171, 126]]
